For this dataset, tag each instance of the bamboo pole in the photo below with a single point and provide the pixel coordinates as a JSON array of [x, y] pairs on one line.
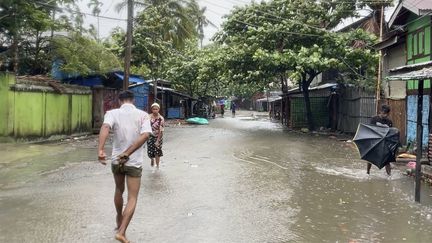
[[378, 88]]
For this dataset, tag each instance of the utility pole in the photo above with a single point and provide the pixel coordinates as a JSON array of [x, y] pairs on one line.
[[128, 53], [419, 132], [380, 69], [155, 82]]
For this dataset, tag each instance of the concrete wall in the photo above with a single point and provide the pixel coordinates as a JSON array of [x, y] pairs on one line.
[[394, 57], [40, 112]]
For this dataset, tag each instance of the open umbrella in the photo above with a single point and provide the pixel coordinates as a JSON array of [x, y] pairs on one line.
[[377, 144]]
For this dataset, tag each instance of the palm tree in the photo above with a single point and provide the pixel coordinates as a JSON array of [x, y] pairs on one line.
[[177, 24], [201, 20], [96, 10]]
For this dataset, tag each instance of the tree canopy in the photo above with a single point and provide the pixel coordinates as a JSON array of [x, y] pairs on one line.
[[294, 41], [33, 34]]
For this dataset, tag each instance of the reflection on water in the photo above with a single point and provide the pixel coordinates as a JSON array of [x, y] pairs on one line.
[[237, 180], [23, 163], [335, 200]]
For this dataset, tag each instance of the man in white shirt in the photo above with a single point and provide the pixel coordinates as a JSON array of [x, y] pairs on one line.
[[131, 128]]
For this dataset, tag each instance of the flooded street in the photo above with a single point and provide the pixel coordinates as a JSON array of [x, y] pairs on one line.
[[236, 180]]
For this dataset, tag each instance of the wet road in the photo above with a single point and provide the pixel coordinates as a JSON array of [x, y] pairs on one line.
[[237, 180]]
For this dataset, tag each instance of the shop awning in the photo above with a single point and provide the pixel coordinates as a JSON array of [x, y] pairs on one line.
[[420, 71], [422, 74]]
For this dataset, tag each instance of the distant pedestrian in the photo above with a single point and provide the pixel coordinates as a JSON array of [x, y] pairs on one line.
[[131, 128], [222, 106], [382, 119], [233, 108], [154, 144]]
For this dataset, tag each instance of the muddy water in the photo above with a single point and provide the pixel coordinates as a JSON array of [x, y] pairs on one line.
[[237, 180]]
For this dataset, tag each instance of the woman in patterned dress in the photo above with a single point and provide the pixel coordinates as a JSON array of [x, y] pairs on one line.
[[154, 144]]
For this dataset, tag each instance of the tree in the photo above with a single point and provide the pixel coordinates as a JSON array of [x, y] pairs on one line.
[[201, 20], [96, 10], [290, 39], [82, 55], [175, 24], [197, 72], [16, 17], [23, 33]]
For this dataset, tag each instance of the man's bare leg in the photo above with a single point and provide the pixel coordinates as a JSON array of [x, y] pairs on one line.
[[388, 169], [118, 197], [133, 186], [369, 165]]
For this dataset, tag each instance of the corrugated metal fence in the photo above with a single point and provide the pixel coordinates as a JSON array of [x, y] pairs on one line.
[[356, 105], [320, 111]]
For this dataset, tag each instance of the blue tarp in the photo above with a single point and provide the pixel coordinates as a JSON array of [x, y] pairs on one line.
[[87, 81], [112, 80], [132, 78], [174, 112]]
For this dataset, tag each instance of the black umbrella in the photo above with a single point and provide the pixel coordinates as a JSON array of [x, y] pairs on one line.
[[377, 144]]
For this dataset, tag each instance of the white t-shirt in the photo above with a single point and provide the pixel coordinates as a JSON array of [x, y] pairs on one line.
[[128, 123]]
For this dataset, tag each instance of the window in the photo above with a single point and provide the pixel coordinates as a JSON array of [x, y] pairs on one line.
[[416, 44]]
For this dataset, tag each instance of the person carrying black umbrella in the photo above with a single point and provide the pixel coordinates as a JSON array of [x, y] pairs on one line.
[[382, 119]]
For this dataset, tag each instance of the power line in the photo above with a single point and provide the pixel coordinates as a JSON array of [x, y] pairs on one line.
[[57, 8], [254, 25], [276, 18], [281, 18], [287, 32], [415, 5], [414, 20]]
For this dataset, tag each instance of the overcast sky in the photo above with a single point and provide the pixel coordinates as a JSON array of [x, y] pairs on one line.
[[215, 11]]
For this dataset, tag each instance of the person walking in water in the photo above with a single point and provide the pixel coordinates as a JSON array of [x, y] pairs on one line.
[[233, 108], [154, 144], [222, 106], [382, 119], [131, 128]]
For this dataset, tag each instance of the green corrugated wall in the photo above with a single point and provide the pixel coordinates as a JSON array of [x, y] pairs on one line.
[[413, 50], [33, 114], [5, 80]]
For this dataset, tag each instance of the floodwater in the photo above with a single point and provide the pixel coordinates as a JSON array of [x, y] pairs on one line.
[[236, 180]]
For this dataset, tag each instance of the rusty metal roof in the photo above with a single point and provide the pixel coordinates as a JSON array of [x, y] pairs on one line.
[[47, 84], [422, 74]]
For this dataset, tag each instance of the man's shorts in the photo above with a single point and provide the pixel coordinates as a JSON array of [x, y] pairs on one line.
[[126, 170]]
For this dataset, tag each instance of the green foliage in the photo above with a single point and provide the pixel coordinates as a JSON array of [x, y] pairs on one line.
[[21, 20], [141, 70], [80, 54], [194, 71], [161, 28], [27, 28], [293, 41]]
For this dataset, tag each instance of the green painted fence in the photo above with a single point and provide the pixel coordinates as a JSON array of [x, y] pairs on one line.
[[35, 110]]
